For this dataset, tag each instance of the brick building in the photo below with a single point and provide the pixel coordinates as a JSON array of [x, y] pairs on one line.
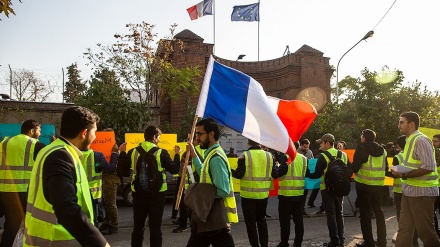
[[304, 74]]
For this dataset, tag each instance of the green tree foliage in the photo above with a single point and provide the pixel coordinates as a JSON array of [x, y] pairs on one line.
[[145, 66], [74, 85], [375, 102], [111, 102]]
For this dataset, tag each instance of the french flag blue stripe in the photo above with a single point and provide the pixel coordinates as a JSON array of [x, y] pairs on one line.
[[229, 91]]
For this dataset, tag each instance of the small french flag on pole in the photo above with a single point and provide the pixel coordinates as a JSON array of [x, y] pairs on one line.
[[237, 101], [201, 9]]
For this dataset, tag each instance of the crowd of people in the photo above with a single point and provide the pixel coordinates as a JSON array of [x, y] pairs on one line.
[[58, 188]]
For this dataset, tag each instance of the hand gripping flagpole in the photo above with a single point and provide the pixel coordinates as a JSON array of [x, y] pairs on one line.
[[188, 154]]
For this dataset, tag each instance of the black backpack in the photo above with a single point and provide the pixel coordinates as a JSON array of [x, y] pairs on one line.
[[148, 177], [338, 176]]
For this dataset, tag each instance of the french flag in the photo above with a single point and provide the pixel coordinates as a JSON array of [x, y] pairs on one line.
[[201, 9], [237, 101]]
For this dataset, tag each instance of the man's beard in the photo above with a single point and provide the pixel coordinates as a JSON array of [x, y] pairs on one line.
[[205, 144], [86, 144]]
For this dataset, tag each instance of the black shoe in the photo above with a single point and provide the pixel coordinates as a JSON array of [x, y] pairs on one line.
[[103, 227], [173, 217], [180, 229], [330, 244], [176, 222], [110, 230], [380, 245]]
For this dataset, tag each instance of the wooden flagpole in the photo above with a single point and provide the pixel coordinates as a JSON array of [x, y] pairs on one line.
[[183, 176]]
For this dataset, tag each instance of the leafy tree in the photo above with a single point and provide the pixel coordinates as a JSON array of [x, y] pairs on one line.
[[111, 102], [375, 102], [74, 85], [147, 70], [27, 87]]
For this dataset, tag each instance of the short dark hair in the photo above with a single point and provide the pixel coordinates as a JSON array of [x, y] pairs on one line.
[[304, 141], [150, 132], [252, 142], [343, 143], [436, 136], [75, 119], [401, 141], [412, 117], [209, 124], [296, 144], [28, 125], [369, 135]]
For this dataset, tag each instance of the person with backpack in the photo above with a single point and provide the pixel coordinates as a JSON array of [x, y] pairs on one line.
[[149, 165], [369, 166], [330, 168]]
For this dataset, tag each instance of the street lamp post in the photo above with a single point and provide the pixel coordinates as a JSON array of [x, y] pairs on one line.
[[366, 36]]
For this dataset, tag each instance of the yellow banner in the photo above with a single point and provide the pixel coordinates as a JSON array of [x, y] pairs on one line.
[[167, 141], [429, 132]]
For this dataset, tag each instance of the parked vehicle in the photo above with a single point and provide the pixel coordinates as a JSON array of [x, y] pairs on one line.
[[124, 190]]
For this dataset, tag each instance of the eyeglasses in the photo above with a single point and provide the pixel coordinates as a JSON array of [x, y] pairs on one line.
[[200, 133]]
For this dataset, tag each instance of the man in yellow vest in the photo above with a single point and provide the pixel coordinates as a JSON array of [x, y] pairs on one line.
[[214, 170], [148, 203], [254, 168], [94, 163], [291, 197], [369, 166], [332, 203], [59, 206], [17, 155], [419, 184]]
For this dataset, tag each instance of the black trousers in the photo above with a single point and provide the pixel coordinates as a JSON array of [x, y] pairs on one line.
[[286, 209], [218, 238], [150, 206], [254, 213], [370, 199], [13, 205]]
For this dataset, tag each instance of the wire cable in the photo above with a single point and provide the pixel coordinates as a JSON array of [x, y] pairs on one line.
[[384, 15]]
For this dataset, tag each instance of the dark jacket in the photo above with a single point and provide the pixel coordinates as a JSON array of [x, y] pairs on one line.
[[363, 151]]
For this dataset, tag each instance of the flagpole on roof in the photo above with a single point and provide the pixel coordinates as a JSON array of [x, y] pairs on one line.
[[258, 35]]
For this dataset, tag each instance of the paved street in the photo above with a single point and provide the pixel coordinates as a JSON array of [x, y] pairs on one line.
[[315, 227]]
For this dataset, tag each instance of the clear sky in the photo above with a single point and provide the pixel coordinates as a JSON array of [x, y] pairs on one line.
[[46, 35]]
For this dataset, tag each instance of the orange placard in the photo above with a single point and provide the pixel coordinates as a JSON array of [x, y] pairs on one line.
[[104, 142]]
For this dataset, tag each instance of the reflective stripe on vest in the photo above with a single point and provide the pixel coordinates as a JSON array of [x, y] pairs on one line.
[[397, 182], [255, 184], [229, 201], [292, 184], [427, 180], [372, 172], [41, 225], [135, 156], [17, 159], [94, 178], [333, 152]]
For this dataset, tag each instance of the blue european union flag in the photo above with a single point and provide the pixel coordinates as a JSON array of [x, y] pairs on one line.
[[249, 12]]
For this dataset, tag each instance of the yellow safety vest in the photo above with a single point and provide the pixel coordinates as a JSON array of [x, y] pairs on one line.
[[17, 160], [200, 153], [229, 201], [427, 180], [41, 224], [255, 183], [135, 156], [372, 172], [397, 182], [94, 178], [292, 184], [333, 152]]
